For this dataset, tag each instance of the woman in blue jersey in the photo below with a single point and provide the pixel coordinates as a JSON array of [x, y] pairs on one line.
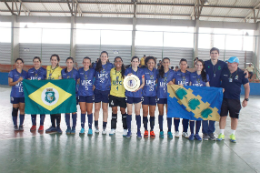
[[102, 89], [182, 77], [37, 73], [71, 73], [198, 78], [86, 94], [165, 76], [149, 94], [134, 98], [15, 78]]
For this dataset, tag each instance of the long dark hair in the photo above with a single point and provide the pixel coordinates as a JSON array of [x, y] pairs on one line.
[[148, 58], [58, 58], [123, 66], [161, 70], [99, 63], [66, 70], [203, 71]]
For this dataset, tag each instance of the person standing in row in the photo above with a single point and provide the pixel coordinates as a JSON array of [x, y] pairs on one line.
[[86, 94], [102, 89], [54, 73], [37, 73], [15, 78]]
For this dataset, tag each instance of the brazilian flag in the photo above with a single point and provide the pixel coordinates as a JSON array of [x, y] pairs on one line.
[[194, 103], [49, 96]]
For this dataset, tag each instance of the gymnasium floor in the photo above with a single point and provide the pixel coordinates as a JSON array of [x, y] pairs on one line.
[[27, 152]]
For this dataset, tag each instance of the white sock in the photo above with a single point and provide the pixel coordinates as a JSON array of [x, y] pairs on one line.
[[222, 131], [233, 131]]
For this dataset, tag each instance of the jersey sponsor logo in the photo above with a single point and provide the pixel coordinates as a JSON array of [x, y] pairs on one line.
[[226, 75], [50, 95], [197, 84], [86, 83], [183, 83], [19, 86], [151, 84], [102, 77]]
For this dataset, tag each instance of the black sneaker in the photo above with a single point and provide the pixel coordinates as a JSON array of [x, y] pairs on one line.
[[205, 137], [16, 128], [212, 137], [20, 128]]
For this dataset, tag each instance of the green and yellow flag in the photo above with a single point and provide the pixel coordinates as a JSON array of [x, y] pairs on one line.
[[49, 96]]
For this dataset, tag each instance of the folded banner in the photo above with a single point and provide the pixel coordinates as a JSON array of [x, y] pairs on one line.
[[49, 96], [194, 103]]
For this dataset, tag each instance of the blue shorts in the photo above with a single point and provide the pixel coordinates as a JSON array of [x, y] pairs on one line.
[[132, 100], [16, 100], [162, 101], [149, 100], [101, 96], [87, 99]]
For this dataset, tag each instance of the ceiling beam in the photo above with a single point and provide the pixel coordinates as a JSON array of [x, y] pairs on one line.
[[70, 8], [253, 11], [10, 10]]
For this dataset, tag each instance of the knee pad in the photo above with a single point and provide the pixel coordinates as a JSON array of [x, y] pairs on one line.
[[15, 112]]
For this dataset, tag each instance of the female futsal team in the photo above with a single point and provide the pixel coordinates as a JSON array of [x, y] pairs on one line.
[[103, 82]]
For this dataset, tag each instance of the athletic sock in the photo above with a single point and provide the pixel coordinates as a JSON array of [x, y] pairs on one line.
[[138, 122], [152, 123], [83, 120], [67, 119], [176, 124], [128, 120], [169, 122], [113, 121], [90, 120], [192, 127], [222, 131], [198, 124], [145, 121], [96, 124], [233, 131], [21, 119], [42, 118], [58, 118], [161, 122], [53, 120], [185, 124], [104, 125], [124, 117], [74, 120], [14, 116], [33, 120]]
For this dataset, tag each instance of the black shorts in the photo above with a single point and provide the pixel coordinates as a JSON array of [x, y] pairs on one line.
[[232, 106], [117, 101]]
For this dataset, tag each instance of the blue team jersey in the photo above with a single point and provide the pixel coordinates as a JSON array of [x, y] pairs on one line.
[[150, 77], [102, 78], [17, 90], [196, 80], [72, 74], [162, 83], [86, 82], [232, 83], [214, 72], [39, 74], [139, 74], [182, 78]]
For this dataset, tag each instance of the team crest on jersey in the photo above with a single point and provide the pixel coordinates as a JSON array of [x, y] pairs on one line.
[[208, 66], [219, 68], [50, 95], [236, 77]]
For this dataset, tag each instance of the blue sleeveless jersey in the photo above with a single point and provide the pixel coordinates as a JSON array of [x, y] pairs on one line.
[[139, 74], [17, 90], [39, 74], [150, 77], [182, 78], [196, 80], [162, 83], [86, 82], [102, 78]]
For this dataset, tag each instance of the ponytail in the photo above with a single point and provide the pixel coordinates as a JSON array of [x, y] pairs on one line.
[[161, 70]]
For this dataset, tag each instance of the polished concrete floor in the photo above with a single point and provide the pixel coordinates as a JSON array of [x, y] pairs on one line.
[[28, 152]]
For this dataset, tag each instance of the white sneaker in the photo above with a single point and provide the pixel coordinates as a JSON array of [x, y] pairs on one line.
[[125, 133], [96, 130], [185, 134], [104, 132], [177, 134], [112, 132]]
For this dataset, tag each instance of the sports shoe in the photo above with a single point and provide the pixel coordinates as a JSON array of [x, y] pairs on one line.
[[197, 137], [125, 133], [112, 132], [82, 131], [33, 128], [21, 128], [139, 136], [233, 138], [185, 134], [161, 135], [59, 130], [177, 134], [41, 128], [221, 137], [146, 134], [16, 128], [68, 131], [73, 130], [170, 135], [129, 134], [90, 133], [212, 137], [152, 134], [96, 130], [104, 132], [205, 137], [191, 137], [51, 130]]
